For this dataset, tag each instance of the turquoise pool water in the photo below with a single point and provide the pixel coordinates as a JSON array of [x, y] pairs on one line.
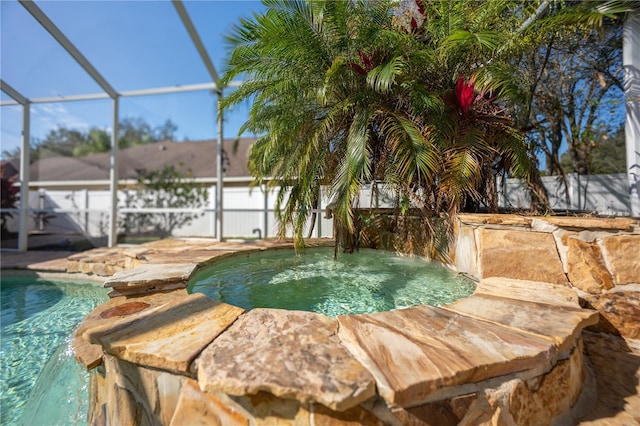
[[364, 282], [40, 382]]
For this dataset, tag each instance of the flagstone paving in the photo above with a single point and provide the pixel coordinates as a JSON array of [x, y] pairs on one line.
[[407, 356]]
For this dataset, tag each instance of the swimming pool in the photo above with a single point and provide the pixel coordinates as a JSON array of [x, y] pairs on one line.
[[40, 381], [364, 282]]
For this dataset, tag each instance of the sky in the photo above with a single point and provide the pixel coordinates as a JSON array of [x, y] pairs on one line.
[[134, 45]]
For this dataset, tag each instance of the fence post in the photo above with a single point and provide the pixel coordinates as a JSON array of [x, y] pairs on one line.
[[319, 215], [86, 212], [265, 211]]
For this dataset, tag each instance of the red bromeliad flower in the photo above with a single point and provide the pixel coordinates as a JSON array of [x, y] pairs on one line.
[[368, 62], [357, 68], [464, 93]]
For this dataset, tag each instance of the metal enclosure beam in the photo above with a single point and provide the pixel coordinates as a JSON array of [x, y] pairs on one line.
[[193, 33], [219, 174], [202, 51], [112, 238], [48, 25], [17, 96], [631, 64], [125, 94], [25, 157], [62, 39]]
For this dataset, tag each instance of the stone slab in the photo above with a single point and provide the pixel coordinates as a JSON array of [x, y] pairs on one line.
[[200, 408], [559, 324], [561, 237], [265, 409], [99, 261], [529, 291], [466, 252], [40, 260], [146, 290], [622, 253], [521, 255], [135, 252], [149, 275], [114, 313], [291, 354], [494, 219], [538, 225], [592, 223], [172, 337], [136, 395], [193, 257], [586, 267], [416, 351], [619, 312], [549, 400], [96, 253]]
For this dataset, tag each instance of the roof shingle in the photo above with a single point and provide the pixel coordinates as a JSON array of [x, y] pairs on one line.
[[198, 156]]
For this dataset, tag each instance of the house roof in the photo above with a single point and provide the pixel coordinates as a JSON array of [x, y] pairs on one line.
[[9, 168], [199, 157]]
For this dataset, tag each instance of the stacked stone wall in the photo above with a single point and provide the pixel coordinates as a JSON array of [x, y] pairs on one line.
[[599, 258]]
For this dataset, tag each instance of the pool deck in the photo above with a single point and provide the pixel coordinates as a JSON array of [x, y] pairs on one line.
[[616, 361]]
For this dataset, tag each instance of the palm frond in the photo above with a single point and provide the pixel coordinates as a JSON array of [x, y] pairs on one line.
[[383, 77]]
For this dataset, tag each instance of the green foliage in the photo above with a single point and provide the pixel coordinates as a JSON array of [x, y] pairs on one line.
[[95, 141], [167, 188], [76, 143], [575, 95], [411, 94], [605, 156], [348, 93]]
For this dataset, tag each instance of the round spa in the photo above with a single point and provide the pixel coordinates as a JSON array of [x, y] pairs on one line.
[[269, 337], [363, 282]]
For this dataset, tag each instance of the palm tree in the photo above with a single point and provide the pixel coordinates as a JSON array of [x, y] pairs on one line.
[[409, 95]]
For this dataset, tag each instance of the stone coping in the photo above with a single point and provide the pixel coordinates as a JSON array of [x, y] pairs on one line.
[[407, 356], [570, 222]]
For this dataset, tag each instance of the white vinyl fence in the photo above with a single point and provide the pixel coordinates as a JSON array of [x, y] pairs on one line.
[[250, 213], [606, 195], [247, 214]]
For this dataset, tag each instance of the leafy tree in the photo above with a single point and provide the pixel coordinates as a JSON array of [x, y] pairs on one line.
[[577, 100], [59, 142], [136, 131], [97, 140], [77, 143], [348, 93], [411, 95], [604, 156], [166, 188], [568, 79]]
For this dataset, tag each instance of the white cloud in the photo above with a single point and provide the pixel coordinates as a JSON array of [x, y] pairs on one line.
[[52, 116]]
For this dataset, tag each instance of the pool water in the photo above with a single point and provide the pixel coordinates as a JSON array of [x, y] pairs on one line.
[[40, 381], [364, 282]]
